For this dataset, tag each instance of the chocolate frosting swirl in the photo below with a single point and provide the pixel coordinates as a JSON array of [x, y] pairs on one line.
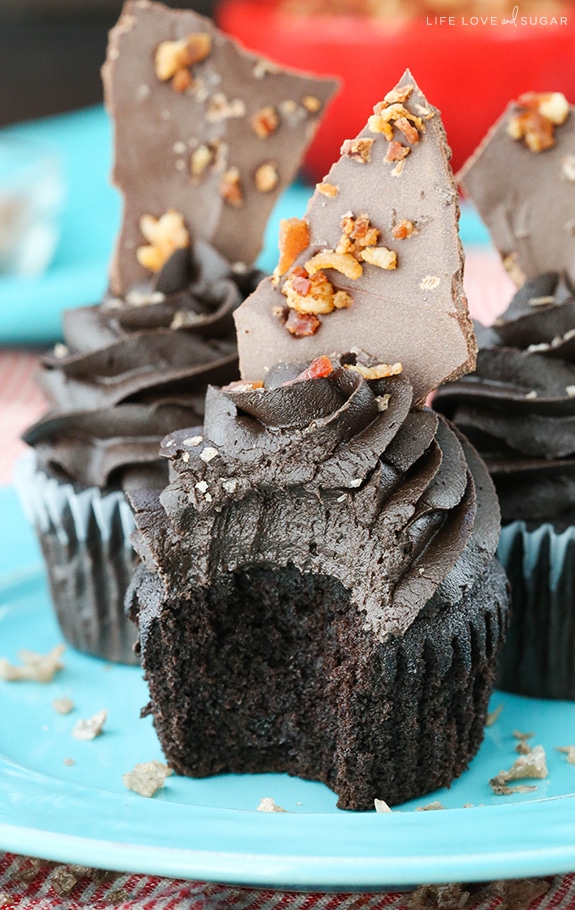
[[518, 407], [134, 369], [336, 475]]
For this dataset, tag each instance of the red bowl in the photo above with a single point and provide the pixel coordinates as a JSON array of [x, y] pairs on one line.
[[469, 71]]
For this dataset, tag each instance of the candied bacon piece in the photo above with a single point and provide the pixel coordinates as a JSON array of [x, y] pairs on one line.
[[318, 368], [293, 240], [302, 324]]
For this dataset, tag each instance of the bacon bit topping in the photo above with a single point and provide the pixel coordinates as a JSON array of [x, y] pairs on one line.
[[358, 149], [398, 94], [265, 121], [309, 293], [358, 233], [385, 115], [311, 103], [302, 324], [266, 178], [380, 256], [165, 235], [173, 59], [396, 152], [293, 240], [327, 189], [312, 295], [403, 229], [391, 113], [341, 262], [240, 385], [318, 369], [182, 80], [552, 105], [359, 240], [408, 130], [231, 187], [535, 123], [380, 371]]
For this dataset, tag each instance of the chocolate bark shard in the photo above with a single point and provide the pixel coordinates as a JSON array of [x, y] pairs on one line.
[[526, 198], [415, 313], [225, 123]]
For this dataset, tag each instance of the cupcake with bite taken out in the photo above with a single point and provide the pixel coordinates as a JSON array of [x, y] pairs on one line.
[[318, 593]]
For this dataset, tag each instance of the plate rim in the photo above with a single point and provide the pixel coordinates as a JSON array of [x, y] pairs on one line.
[[355, 852]]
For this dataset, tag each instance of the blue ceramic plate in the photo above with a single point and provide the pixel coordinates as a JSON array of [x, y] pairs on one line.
[[211, 829]]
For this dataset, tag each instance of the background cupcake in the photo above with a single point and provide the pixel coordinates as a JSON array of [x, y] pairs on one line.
[[204, 144], [518, 407]]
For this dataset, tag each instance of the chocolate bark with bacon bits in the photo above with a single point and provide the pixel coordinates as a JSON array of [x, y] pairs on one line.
[[522, 181], [207, 136], [376, 261]]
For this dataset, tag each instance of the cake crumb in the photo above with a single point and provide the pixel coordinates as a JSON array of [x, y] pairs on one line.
[[35, 667], [267, 804], [438, 897], [519, 735], [230, 486], [69, 762], [381, 805], [201, 486], [532, 765], [518, 894], [431, 807], [569, 752], [91, 727], [146, 778], [208, 454], [63, 705], [492, 716]]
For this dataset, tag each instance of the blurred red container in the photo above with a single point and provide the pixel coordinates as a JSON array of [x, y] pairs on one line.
[[469, 71]]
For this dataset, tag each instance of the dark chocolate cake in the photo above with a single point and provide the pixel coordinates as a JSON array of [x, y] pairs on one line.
[[318, 593]]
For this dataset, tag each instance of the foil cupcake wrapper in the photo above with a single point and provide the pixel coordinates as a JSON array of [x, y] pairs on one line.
[[85, 540], [539, 656]]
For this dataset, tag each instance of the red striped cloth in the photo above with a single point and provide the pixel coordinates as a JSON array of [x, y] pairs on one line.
[[29, 884], [21, 402]]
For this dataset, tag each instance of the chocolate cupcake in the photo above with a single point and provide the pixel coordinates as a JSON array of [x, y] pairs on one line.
[[318, 593], [204, 144], [130, 372], [518, 407]]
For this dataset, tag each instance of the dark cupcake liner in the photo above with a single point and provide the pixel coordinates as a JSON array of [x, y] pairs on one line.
[[391, 720], [85, 540], [539, 656]]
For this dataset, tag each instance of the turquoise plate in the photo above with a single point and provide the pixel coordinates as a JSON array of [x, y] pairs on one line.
[[211, 829]]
